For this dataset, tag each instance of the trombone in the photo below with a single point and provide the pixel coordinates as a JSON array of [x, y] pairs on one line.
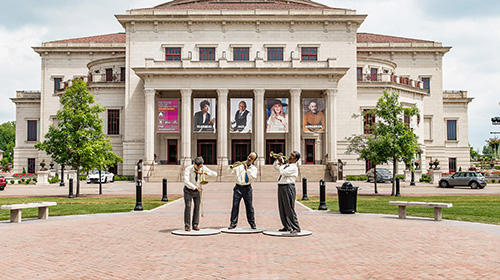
[[274, 155]]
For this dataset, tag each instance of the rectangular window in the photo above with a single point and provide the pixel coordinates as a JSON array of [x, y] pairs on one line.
[[275, 54], [57, 84], [32, 130], [374, 74], [309, 54], [407, 120], [427, 128], [207, 54], [426, 83], [451, 130], [31, 166], [452, 164], [113, 122], [172, 54], [368, 121], [359, 72], [122, 74], [109, 75], [241, 54]]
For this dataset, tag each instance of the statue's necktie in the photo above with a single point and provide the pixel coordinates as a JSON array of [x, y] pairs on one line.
[[196, 176], [246, 178]]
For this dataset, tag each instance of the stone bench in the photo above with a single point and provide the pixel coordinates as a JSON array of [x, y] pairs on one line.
[[16, 210], [438, 207]]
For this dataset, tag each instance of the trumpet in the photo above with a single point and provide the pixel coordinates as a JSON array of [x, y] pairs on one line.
[[236, 164], [278, 156], [203, 179]]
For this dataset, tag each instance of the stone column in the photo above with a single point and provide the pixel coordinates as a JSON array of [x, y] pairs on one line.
[[331, 134], [149, 125], [294, 120], [222, 126], [259, 125], [186, 126]]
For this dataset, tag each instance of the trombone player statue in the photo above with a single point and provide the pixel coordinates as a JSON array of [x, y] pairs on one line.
[[245, 173], [286, 190], [194, 178]]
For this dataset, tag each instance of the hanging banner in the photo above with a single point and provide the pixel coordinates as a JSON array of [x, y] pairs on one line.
[[277, 115], [313, 110], [241, 115], [168, 116], [204, 116]]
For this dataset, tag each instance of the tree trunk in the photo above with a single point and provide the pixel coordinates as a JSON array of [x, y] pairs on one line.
[[78, 182], [375, 176], [100, 182], [394, 167]]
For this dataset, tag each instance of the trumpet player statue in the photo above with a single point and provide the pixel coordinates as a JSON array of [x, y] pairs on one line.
[[286, 191], [194, 178], [245, 173]]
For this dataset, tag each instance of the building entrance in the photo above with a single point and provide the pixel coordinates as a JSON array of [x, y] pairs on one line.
[[172, 151], [276, 146], [309, 145], [240, 150], [208, 150]]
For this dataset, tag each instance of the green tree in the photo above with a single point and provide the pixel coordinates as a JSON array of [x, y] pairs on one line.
[[8, 139], [494, 144], [78, 139], [473, 154]]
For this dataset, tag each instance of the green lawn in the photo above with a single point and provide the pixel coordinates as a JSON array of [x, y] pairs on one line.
[[481, 209], [81, 205]]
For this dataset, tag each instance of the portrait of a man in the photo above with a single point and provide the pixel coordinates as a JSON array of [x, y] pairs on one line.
[[241, 115], [204, 119], [314, 117]]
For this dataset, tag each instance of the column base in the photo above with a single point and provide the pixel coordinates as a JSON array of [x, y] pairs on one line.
[[223, 161]]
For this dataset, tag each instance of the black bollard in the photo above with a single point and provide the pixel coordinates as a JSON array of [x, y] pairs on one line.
[[322, 195], [304, 189], [138, 196], [164, 190], [70, 195], [61, 184], [412, 183], [397, 187]]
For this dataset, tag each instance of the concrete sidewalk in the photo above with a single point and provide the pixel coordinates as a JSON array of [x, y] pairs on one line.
[[140, 245]]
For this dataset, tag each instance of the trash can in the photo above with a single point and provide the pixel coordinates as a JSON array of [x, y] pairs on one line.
[[347, 195]]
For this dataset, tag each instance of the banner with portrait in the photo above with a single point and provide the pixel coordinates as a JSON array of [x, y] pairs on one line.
[[241, 115], [277, 115], [313, 115], [204, 117], [168, 116]]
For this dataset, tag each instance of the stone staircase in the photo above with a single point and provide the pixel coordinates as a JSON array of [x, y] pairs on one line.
[[266, 173]]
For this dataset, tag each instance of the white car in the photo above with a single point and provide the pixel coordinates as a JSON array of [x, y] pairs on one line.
[[106, 176]]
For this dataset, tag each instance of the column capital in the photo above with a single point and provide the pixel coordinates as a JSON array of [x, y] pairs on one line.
[[295, 91], [330, 91], [222, 91], [259, 91], [186, 91], [149, 91]]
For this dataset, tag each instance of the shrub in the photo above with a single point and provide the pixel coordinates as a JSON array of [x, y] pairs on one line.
[[28, 181], [425, 178], [54, 180], [351, 178], [124, 178], [35, 180], [401, 177], [83, 178], [24, 170], [12, 182], [21, 181], [493, 181]]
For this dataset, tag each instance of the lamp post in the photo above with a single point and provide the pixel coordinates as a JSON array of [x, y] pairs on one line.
[[61, 184], [412, 182]]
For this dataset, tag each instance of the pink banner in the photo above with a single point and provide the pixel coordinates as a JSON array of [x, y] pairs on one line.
[[168, 116]]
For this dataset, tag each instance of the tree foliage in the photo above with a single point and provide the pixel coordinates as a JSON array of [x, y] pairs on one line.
[[392, 139], [8, 139], [78, 139]]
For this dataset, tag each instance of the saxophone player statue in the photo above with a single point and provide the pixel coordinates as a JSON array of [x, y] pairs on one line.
[[245, 173], [194, 178]]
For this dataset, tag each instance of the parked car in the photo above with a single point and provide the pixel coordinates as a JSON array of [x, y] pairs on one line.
[[475, 180], [3, 183], [106, 176], [383, 175]]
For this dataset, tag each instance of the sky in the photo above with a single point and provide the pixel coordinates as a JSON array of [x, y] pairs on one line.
[[469, 26]]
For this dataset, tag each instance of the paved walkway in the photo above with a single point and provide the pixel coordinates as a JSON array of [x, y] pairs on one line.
[[140, 246]]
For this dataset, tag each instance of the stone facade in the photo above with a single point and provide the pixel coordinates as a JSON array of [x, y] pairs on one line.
[[129, 73]]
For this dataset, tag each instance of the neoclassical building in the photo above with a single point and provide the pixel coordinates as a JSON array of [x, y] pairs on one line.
[[222, 78]]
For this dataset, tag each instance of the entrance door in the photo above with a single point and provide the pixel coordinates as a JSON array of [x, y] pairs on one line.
[[31, 165], [309, 158], [274, 145], [240, 150], [172, 151], [207, 150]]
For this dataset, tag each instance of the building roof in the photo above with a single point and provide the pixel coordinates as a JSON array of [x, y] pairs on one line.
[[106, 38], [362, 38], [239, 5], [379, 38]]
